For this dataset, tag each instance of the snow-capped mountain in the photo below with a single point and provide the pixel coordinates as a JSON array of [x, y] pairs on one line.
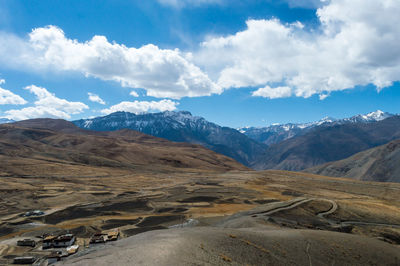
[[181, 127], [151, 123], [370, 117], [330, 142], [245, 148], [6, 120], [277, 133]]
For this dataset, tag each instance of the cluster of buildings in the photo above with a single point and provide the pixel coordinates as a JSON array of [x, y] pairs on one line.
[[104, 237], [49, 241], [61, 246]]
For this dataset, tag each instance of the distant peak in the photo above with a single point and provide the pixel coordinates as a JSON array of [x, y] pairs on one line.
[[377, 115], [120, 113], [378, 112], [174, 113], [4, 120], [327, 118]]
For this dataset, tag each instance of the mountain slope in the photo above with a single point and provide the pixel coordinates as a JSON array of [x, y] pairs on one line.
[[328, 143], [181, 127], [42, 146], [381, 163], [276, 133]]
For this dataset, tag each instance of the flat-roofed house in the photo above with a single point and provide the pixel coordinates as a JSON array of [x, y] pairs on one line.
[[64, 241], [61, 241], [24, 260], [48, 241], [26, 243]]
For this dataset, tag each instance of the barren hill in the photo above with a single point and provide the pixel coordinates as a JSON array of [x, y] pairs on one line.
[[250, 246], [43, 146], [381, 163]]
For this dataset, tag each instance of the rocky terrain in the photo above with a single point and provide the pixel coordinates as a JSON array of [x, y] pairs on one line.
[[381, 163]]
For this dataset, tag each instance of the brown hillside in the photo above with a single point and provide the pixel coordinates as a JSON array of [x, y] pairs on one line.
[[42, 146], [381, 163]]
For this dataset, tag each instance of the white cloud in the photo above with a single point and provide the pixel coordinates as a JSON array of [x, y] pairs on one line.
[[95, 98], [46, 105], [182, 3], [134, 94], [356, 44], [142, 106], [162, 73], [8, 97], [323, 96], [273, 93]]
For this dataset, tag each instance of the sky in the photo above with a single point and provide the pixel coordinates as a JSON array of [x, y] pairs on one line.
[[235, 63]]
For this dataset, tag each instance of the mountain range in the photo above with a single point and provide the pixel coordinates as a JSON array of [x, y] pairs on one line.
[[6, 120], [182, 127], [327, 143], [285, 147], [276, 133]]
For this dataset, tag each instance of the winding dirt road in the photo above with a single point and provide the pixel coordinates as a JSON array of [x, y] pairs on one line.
[[291, 204]]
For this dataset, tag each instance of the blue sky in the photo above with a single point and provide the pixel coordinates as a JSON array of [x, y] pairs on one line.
[[236, 63]]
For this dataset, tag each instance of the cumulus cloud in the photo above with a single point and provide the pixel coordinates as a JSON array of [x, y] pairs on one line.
[[8, 97], [273, 93], [142, 106], [323, 96], [134, 94], [46, 105], [163, 73], [95, 98], [356, 44]]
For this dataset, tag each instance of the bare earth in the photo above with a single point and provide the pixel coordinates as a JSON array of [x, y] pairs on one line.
[[258, 218]]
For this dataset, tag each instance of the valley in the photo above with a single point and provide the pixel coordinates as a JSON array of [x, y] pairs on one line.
[[175, 202], [150, 199]]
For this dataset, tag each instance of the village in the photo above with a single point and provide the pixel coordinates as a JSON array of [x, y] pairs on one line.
[[48, 249], [47, 245]]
